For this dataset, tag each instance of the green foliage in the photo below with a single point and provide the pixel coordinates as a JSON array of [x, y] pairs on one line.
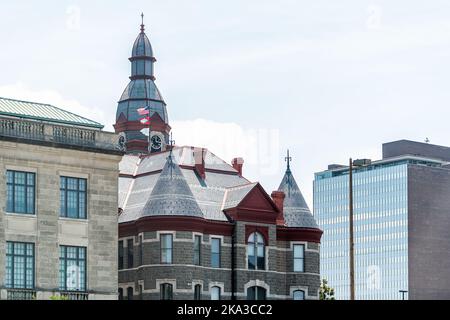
[[326, 292]]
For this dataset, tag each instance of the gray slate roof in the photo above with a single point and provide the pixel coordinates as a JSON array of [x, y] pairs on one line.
[[171, 195], [234, 196], [139, 178], [296, 210]]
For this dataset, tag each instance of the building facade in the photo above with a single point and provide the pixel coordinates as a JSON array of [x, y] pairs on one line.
[[192, 227], [58, 204], [401, 224]]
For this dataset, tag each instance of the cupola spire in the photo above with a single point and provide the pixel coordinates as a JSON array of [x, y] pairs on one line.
[[142, 24]]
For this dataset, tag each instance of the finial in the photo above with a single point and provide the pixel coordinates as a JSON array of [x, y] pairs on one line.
[[142, 25], [427, 140], [170, 158], [288, 159]]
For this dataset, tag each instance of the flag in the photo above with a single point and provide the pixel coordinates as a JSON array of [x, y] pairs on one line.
[[143, 111], [145, 120]]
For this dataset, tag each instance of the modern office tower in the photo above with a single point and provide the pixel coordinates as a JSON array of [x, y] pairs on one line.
[[401, 224]]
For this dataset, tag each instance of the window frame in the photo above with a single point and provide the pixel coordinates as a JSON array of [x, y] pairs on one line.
[[295, 291], [219, 292], [301, 259], [25, 256], [197, 292], [63, 189], [11, 206], [163, 249], [256, 244], [121, 257], [130, 253], [162, 291], [65, 259], [197, 250], [219, 254], [256, 293]]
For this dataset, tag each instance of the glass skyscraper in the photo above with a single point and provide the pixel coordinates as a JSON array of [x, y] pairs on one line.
[[383, 211]]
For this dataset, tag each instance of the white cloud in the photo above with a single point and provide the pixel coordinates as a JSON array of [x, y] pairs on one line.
[[258, 146], [21, 91]]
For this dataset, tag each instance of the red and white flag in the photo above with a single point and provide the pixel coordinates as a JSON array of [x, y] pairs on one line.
[[143, 111], [145, 120]]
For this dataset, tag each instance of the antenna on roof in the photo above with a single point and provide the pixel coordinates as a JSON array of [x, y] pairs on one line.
[[427, 140]]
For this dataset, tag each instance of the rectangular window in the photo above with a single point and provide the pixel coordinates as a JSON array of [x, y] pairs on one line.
[[166, 291], [72, 268], [166, 248], [141, 251], [197, 250], [20, 192], [215, 252], [130, 253], [19, 265], [198, 292], [120, 255], [73, 198], [299, 258]]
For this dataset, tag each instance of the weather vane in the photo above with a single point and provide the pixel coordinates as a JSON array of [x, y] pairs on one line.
[[288, 159], [172, 143]]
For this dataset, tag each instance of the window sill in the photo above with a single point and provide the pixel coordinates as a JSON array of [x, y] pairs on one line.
[[73, 219], [27, 215]]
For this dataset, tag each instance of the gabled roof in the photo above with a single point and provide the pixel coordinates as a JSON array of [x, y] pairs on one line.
[[43, 112], [234, 196], [296, 211], [171, 195]]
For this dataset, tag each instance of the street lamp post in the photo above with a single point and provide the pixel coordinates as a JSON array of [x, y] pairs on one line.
[[356, 163], [403, 292]]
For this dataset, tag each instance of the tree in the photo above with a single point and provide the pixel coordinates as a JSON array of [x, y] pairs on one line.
[[326, 292]]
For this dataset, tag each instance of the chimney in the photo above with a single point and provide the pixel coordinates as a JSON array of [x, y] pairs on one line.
[[237, 164], [278, 198], [199, 158]]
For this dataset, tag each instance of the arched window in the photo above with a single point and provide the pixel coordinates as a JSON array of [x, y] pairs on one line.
[[215, 293], [166, 291], [130, 293], [256, 293], [120, 294], [299, 295], [256, 252]]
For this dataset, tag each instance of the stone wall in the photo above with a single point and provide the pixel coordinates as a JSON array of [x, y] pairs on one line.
[[47, 230]]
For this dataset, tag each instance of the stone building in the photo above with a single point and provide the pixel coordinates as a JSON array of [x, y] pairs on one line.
[[191, 226], [58, 204]]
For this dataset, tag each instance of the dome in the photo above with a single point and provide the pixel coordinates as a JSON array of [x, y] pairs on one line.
[[142, 46]]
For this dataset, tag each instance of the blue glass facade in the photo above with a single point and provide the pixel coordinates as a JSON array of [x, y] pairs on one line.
[[380, 229]]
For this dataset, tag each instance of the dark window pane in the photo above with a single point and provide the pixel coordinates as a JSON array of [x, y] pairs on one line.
[[198, 292], [166, 291], [72, 268], [19, 265], [197, 250], [130, 293], [215, 253], [130, 251], [120, 255], [166, 248], [73, 198]]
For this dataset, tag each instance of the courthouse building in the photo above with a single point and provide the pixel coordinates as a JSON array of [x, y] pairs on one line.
[[191, 226], [58, 204]]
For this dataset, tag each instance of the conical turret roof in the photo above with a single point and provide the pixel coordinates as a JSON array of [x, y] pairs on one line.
[[171, 195], [296, 210]]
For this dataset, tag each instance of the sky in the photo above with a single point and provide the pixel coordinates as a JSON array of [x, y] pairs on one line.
[[327, 79]]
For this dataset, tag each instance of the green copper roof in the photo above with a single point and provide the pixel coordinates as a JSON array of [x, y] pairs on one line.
[[44, 112]]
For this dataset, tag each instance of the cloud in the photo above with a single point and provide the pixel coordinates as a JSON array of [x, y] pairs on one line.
[[258, 146], [21, 91]]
